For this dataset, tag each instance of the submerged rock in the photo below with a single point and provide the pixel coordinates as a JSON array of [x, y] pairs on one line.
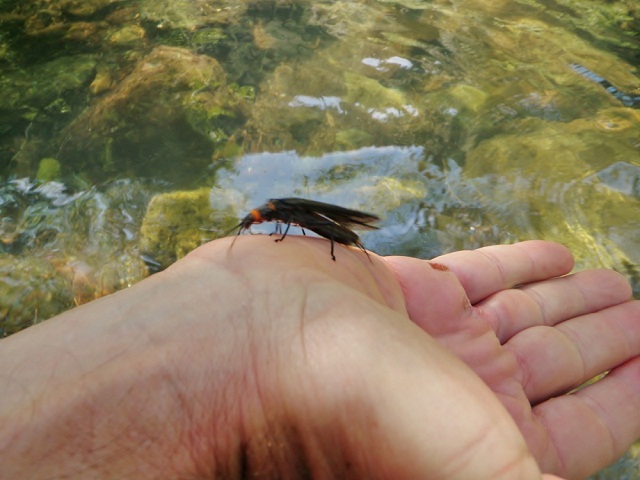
[[24, 302], [45, 83], [352, 95], [174, 109], [175, 223], [48, 170], [59, 249], [557, 181], [127, 35], [191, 14]]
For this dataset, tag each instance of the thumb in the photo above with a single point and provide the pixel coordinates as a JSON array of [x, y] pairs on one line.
[[433, 295]]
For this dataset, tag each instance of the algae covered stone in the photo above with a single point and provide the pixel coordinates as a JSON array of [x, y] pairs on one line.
[[48, 169], [175, 223], [174, 105], [552, 180], [24, 303], [61, 248], [45, 83]]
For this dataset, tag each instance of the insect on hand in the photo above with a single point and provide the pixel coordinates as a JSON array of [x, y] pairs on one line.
[[328, 221]]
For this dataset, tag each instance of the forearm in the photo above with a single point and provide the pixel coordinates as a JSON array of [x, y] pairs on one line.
[[88, 427], [83, 391]]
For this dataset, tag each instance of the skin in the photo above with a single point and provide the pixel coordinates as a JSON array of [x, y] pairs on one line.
[[271, 360]]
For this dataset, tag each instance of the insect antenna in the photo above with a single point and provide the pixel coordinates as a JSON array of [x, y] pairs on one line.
[[241, 227]]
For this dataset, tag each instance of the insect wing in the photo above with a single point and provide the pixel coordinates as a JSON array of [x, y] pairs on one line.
[[300, 208], [334, 231]]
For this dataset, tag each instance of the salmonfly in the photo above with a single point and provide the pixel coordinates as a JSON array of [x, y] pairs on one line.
[[328, 221]]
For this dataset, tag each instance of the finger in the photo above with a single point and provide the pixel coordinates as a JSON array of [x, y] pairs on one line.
[[553, 301], [552, 360], [488, 270], [594, 426], [433, 297]]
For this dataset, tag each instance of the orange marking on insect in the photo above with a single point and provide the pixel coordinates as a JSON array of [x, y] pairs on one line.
[[256, 215]]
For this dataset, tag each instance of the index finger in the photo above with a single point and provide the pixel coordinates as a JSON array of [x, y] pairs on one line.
[[488, 270]]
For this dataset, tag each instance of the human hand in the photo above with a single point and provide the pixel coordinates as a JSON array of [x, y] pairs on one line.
[[534, 343], [271, 359]]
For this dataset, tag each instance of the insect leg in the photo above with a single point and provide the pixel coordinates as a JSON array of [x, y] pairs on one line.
[[278, 229], [285, 233], [333, 257]]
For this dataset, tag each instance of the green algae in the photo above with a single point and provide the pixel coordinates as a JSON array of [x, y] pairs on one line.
[[48, 169], [45, 83], [548, 183], [174, 224], [59, 249], [171, 97]]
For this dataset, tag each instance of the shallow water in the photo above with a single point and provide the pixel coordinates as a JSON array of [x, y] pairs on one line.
[[462, 123]]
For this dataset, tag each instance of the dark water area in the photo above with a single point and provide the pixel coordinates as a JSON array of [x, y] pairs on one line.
[[133, 131]]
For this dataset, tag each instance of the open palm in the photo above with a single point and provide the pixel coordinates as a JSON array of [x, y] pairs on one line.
[[532, 335]]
